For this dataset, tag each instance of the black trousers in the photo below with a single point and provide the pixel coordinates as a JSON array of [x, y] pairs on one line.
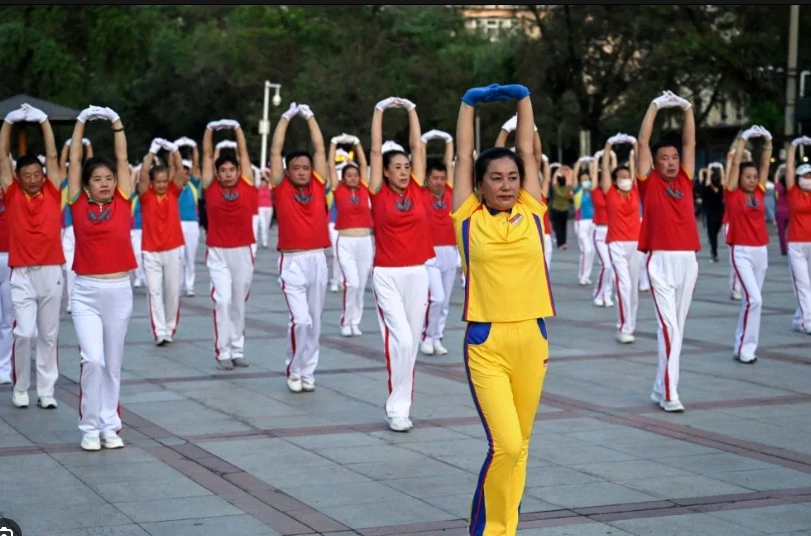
[[714, 225], [559, 219]]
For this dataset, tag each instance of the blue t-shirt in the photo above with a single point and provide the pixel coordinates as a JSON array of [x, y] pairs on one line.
[[136, 211], [584, 208], [188, 200], [67, 218]]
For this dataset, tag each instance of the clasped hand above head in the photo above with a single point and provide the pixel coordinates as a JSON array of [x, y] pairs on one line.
[[493, 93]]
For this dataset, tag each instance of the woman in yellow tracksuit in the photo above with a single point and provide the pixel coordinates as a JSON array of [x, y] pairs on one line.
[[500, 236]]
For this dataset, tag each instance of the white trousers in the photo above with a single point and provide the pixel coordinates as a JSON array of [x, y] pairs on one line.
[[642, 264], [355, 256], [231, 272], [69, 247], [624, 261], [6, 317], [191, 239], [673, 276], [547, 250], [335, 268], [734, 280], [585, 240], [799, 256], [265, 216], [36, 292], [605, 280], [401, 295], [749, 263], [303, 278], [135, 238], [101, 316], [255, 225], [163, 273], [441, 275]]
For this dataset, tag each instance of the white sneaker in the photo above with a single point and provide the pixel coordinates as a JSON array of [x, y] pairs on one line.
[[294, 384], [745, 359], [399, 424], [584, 282], [427, 348], [168, 338], [112, 442], [801, 330], [225, 364], [346, 331], [736, 295], [137, 284], [307, 386], [240, 362], [671, 406], [5, 381], [19, 398], [656, 397], [333, 287], [644, 289], [625, 338], [356, 331], [609, 303], [91, 443], [47, 402], [439, 349], [599, 302], [190, 293]]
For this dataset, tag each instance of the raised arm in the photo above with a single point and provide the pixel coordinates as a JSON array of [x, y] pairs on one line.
[[195, 160], [644, 159], [74, 171], [376, 151], [146, 165], [51, 154], [688, 143], [735, 167], [242, 153], [448, 159], [791, 156], [176, 169], [605, 176], [364, 166], [525, 147], [504, 132], [333, 173], [121, 158], [317, 139], [6, 172], [277, 145], [63, 159], [463, 170], [207, 174], [765, 157], [415, 143]]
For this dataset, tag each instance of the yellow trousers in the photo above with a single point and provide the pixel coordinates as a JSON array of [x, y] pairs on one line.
[[506, 366]]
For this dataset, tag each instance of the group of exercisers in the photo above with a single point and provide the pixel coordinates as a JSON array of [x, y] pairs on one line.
[[401, 220]]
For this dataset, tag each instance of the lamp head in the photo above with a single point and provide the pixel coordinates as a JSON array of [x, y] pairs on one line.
[[277, 100]]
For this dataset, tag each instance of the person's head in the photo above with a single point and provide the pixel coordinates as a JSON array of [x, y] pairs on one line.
[[436, 176], [804, 177], [350, 175], [299, 168], [396, 169], [99, 178], [666, 159], [227, 170], [584, 178], [499, 173], [159, 179], [748, 177], [29, 172], [621, 176], [561, 180], [715, 177], [186, 171]]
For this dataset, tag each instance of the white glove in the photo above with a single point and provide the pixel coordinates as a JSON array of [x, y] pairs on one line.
[[215, 125], [229, 123], [662, 101], [629, 139], [545, 158], [405, 103], [386, 103], [169, 146], [351, 140], [305, 112], [291, 112], [615, 139], [802, 140], [226, 144], [749, 133], [15, 116], [111, 115], [510, 124], [391, 146], [185, 142], [765, 133], [598, 154], [85, 141], [156, 145], [682, 103], [34, 114]]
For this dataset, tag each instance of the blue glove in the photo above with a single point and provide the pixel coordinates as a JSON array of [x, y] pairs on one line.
[[514, 91], [494, 92]]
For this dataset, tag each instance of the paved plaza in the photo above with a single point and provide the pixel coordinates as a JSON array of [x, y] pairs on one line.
[[234, 452]]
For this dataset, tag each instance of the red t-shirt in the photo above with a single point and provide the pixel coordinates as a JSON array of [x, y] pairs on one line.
[[353, 207], [402, 232], [160, 219], [669, 221], [547, 221], [600, 209], [747, 219], [4, 234], [799, 223], [230, 214], [264, 197], [35, 226], [103, 244], [302, 214], [623, 215], [438, 211]]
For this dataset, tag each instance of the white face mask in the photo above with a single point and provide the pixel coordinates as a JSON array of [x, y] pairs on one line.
[[587, 184], [805, 184], [625, 184]]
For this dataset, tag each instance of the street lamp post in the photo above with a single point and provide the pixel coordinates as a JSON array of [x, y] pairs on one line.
[[791, 72], [264, 124]]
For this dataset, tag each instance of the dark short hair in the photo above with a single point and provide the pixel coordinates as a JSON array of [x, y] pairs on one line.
[[661, 145], [154, 170], [349, 164], [617, 170], [25, 161], [226, 158], [388, 155], [435, 164], [298, 154], [92, 164], [745, 166], [496, 153]]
